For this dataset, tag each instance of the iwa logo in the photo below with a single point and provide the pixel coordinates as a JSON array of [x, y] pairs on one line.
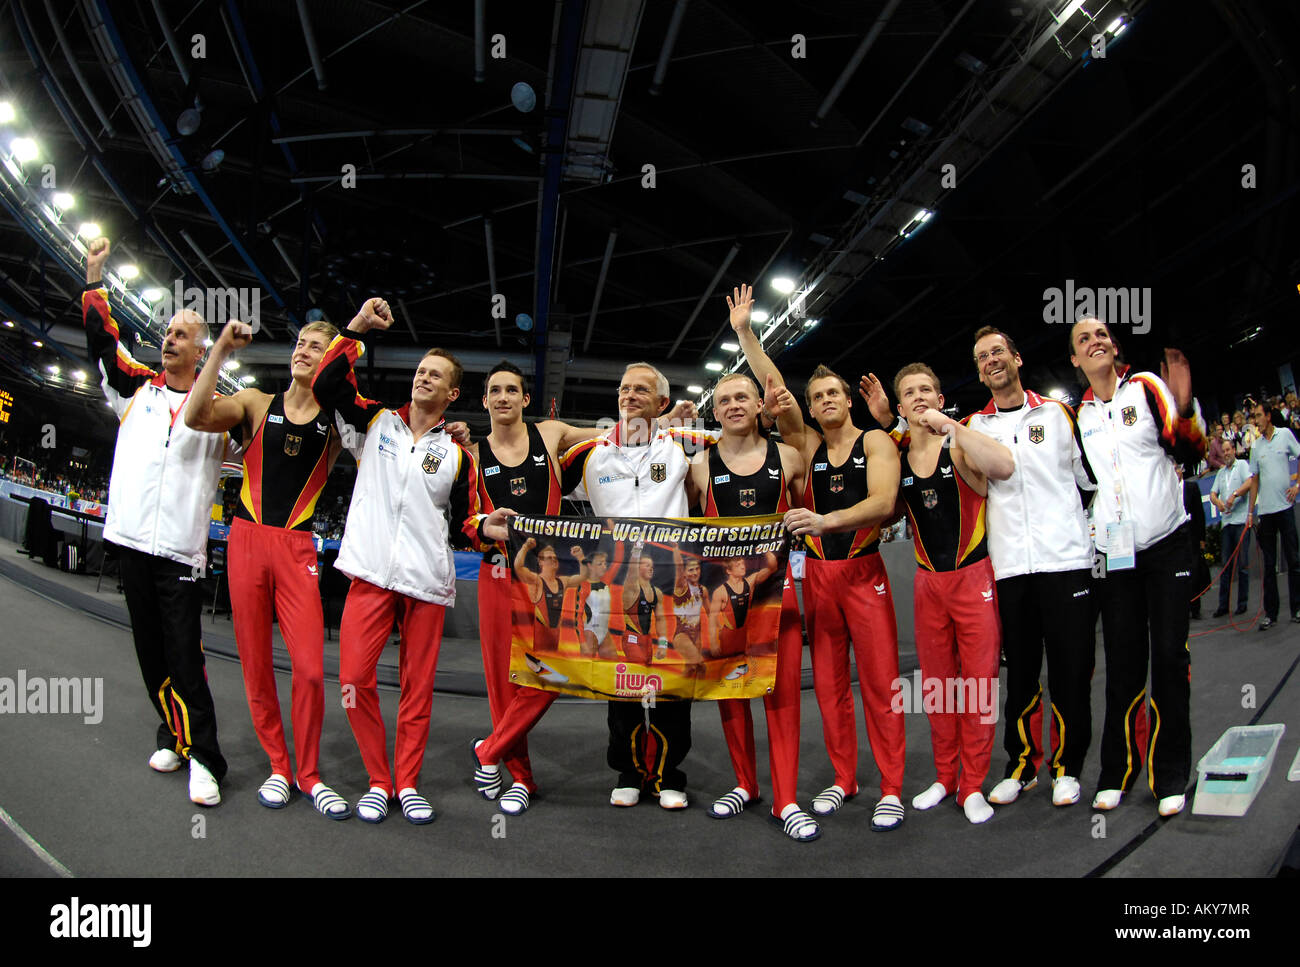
[[216, 306], [1115, 307], [631, 683]]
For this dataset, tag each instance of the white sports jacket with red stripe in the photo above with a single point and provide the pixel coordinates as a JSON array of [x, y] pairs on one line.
[[1132, 442], [165, 475]]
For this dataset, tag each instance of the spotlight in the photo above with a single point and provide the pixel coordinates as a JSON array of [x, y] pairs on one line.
[[89, 230], [524, 321], [7, 114], [63, 201], [694, 389], [759, 315], [151, 295], [713, 367], [523, 97], [79, 376], [730, 347], [38, 344], [129, 271], [232, 364], [24, 149], [9, 323], [212, 160], [188, 122], [249, 379], [54, 370], [783, 284]]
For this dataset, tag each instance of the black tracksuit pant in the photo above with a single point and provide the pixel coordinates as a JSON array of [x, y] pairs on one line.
[[1144, 613], [166, 605], [649, 758], [1053, 612]]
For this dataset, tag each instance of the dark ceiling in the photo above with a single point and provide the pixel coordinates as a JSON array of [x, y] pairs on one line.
[[1122, 171]]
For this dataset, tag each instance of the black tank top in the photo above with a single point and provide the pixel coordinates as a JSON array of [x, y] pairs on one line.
[[285, 468], [554, 603], [833, 487], [530, 487], [645, 609], [733, 495], [947, 516], [739, 603]]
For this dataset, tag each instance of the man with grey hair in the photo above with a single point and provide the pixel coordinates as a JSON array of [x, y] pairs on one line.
[[641, 470], [163, 482]]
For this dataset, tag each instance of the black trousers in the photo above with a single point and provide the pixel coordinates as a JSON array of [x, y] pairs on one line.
[[1271, 527], [649, 758], [1238, 570], [166, 604], [1144, 612], [1053, 612]]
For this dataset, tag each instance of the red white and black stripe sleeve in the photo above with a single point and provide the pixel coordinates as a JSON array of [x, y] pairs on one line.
[[122, 374], [1182, 437], [335, 388]]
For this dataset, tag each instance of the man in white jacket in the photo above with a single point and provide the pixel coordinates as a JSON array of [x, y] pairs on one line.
[[397, 549], [160, 500]]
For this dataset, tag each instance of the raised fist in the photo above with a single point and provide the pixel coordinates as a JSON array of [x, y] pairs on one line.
[[235, 335], [373, 314]]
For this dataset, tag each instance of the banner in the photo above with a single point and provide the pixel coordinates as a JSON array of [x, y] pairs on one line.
[[622, 607]]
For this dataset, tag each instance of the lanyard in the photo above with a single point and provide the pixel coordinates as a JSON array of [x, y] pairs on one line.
[[1113, 436], [175, 413]]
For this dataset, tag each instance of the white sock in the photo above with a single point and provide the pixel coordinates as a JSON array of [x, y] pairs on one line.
[[492, 768], [977, 808], [792, 808], [741, 793], [931, 797], [421, 812]]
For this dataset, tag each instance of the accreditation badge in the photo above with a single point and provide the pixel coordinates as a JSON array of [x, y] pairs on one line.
[[1120, 540]]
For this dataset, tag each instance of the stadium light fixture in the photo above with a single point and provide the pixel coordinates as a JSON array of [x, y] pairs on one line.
[[24, 149], [783, 284], [713, 367], [63, 201]]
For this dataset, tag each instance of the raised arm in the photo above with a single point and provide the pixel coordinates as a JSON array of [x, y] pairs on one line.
[[122, 375], [335, 382], [205, 409], [574, 580], [526, 575], [741, 304], [764, 572]]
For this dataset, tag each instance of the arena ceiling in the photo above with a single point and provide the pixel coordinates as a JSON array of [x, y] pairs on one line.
[[803, 138]]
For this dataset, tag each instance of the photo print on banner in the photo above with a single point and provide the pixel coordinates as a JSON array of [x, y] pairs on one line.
[[624, 608]]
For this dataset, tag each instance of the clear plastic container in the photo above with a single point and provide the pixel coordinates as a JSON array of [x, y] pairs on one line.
[[1234, 770]]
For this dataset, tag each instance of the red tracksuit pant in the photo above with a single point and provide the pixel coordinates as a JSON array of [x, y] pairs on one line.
[[271, 567], [846, 600], [368, 617], [515, 709], [958, 641], [782, 707]]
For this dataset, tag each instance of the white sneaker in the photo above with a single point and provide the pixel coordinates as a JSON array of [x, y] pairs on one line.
[[977, 809], [1172, 805], [203, 785], [1008, 791], [165, 760], [672, 799], [625, 796], [1065, 791], [1107, 799]]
